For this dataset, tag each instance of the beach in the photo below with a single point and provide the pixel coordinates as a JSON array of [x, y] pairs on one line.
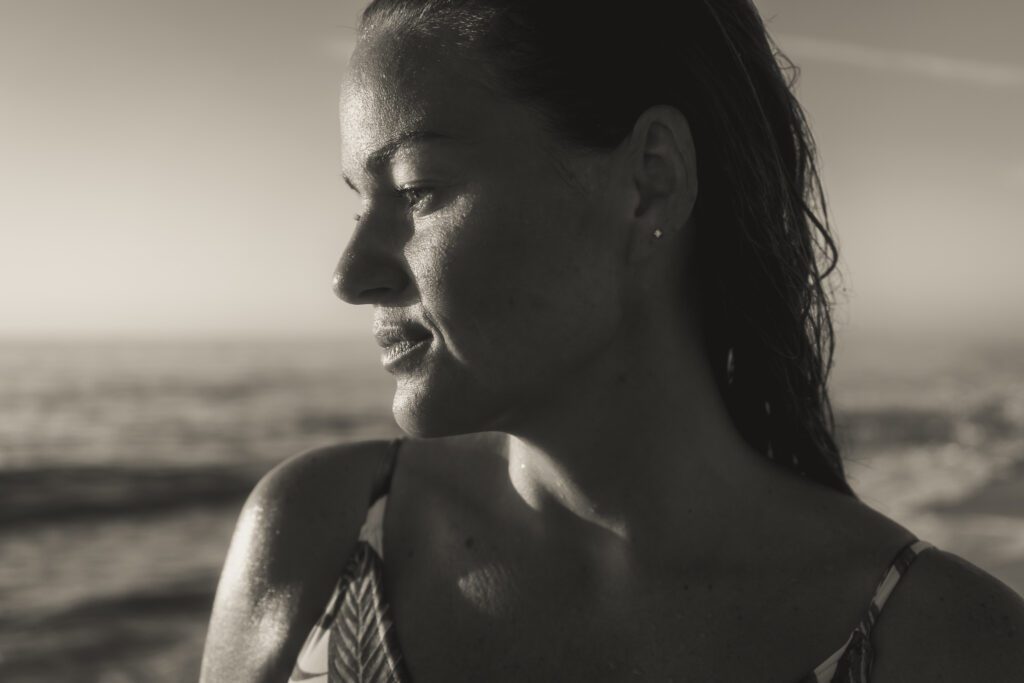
[[123, 465]]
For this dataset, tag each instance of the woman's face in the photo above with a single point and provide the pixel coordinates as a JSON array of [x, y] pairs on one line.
[[490, 255]]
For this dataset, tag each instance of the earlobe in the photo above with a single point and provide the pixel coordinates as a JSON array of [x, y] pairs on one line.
[[664, 173]]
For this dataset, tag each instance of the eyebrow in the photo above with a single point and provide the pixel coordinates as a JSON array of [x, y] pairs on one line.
[[382, 155]]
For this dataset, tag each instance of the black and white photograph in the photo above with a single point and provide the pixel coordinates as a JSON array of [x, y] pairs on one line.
[[511, 341]]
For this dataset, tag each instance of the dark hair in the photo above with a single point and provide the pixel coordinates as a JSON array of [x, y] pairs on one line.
[[762, 237]]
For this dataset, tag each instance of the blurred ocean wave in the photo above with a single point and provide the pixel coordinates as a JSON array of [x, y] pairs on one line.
[[122, 468], [123, 465], [932, 433], [134, 403], [54, 494]]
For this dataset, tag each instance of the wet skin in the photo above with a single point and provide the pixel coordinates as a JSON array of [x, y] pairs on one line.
[[481, 230], [557, 318], [609, 523]]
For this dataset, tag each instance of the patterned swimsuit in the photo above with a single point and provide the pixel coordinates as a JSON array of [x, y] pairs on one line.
[[355, 642]]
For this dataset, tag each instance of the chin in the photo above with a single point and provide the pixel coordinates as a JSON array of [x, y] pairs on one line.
[[429, 409]]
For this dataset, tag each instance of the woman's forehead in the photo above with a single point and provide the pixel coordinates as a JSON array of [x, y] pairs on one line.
[[399, 62], [393, 88]]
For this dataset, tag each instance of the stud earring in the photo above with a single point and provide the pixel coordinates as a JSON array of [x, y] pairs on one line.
[[658, 233]]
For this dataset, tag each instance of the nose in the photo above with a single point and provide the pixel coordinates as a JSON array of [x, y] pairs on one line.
[[368, 271]]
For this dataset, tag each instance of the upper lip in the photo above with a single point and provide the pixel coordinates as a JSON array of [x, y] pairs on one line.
[[393, 332]]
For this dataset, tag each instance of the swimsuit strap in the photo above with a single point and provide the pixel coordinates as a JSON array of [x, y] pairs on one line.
[[896, 571], [372, 530], [382, 479], [355, 639], [853, 661]]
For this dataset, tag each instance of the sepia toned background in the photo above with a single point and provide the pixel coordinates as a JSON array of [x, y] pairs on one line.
[[171, 210]]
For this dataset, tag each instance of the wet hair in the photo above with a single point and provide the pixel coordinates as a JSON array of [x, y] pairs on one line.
[[764, 250]]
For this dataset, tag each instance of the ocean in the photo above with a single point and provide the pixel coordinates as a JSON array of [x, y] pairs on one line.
[[123, 464]]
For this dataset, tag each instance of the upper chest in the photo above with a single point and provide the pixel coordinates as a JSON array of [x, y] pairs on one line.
[[491, 623], [478, 601]]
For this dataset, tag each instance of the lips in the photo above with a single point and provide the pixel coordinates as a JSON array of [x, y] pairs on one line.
[[405, 333], [404, 346], [405, 342]]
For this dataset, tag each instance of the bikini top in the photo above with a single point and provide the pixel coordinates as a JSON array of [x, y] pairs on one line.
[[354, 641]]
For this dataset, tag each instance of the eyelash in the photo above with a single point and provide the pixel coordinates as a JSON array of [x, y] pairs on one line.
[[407, 193]]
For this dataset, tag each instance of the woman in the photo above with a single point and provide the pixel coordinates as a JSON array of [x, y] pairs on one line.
[[596, 252]]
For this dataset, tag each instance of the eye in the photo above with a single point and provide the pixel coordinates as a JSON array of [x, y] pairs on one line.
[[415, 196]]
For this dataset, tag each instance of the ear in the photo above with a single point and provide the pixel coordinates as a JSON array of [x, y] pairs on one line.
[[663, 174]]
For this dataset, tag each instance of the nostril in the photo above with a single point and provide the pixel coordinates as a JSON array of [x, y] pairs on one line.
[[374, 294], [368, 273], [364, 290]]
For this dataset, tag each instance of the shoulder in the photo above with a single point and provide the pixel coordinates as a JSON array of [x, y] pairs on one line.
[[947, 620], [296, 529]]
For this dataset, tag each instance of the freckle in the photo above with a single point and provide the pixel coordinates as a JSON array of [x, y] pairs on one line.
[[470, 542]]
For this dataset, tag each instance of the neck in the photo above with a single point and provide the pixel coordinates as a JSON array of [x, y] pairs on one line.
[[639, 445]]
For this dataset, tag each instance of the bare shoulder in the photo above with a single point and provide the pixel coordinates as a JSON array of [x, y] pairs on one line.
[[948, 620], [297, 527]]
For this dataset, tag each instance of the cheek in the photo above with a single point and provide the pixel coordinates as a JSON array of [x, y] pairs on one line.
[[518, 283]]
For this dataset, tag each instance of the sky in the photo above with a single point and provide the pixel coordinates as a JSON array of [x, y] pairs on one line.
[[170, 167]]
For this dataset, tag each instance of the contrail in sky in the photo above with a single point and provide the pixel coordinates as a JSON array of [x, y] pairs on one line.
[[934, 66]]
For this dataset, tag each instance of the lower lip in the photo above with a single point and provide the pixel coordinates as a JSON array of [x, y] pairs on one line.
[[403, 353]]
